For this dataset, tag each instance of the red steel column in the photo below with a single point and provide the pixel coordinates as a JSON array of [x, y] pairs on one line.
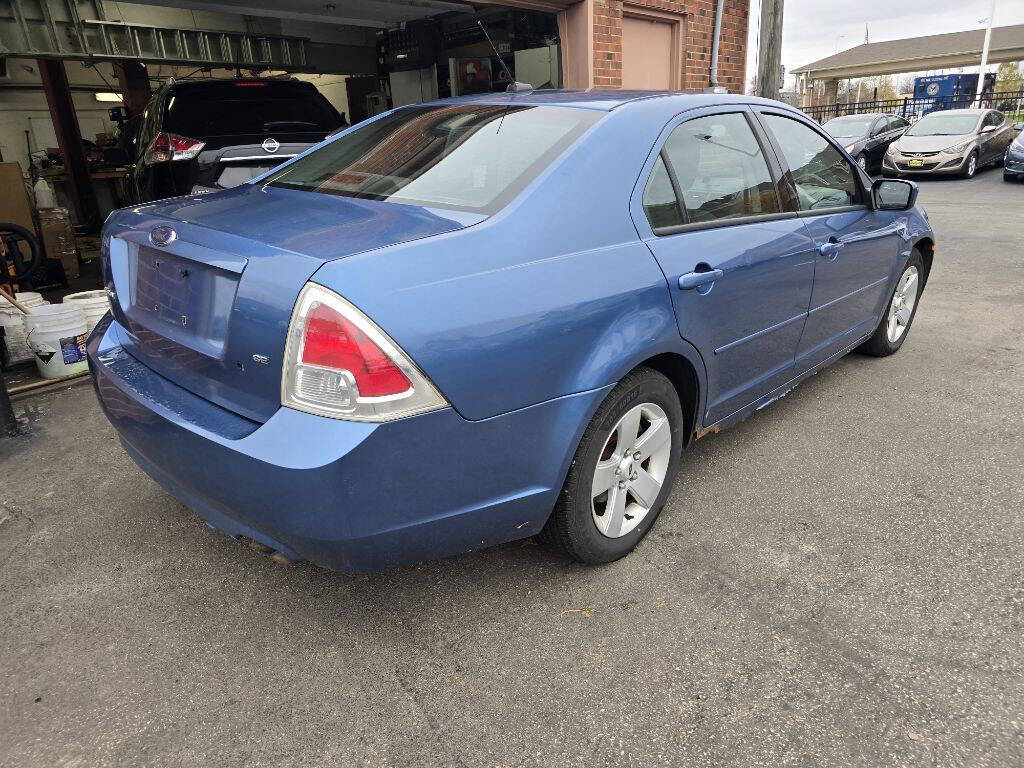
[[69, 139]]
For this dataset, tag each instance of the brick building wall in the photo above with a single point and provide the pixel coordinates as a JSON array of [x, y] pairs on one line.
[[697, 28]]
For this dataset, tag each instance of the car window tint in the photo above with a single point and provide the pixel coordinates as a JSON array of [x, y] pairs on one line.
[[473, 157], [822, 177], [660, 202], [224, 109], [720, 169]]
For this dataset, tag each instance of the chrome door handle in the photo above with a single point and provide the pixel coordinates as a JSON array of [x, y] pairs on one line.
[[695, 279], [830, 250]]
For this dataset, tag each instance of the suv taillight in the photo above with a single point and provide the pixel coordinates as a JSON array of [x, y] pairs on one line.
[[170, 146], [338, 363]]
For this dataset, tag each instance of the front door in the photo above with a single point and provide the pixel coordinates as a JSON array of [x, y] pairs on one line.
[[739, 269], [856, 248]]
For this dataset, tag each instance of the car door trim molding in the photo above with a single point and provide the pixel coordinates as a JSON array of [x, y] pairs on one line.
[[849, 295], [719, 223], [762, 332]]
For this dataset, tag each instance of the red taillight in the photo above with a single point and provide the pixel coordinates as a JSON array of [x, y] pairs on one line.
[[170, 146], [338, 363], [331, 341], [249, 84]]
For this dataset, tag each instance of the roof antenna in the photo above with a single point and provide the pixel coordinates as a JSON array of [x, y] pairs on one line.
[[514, 86]]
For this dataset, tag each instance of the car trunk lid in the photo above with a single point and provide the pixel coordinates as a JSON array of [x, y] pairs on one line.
[[204, 286]]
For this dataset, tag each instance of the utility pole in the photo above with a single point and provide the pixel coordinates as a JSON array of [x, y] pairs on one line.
[[769, 60], [984, 52]]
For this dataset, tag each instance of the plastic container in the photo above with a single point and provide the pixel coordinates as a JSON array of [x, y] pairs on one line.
[[93, 303], [15, 338], [14, 335], [57, 334], [44, 194], [29, 299]]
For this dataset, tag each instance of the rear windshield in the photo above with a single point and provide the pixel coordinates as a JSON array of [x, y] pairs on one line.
[[938, 124], [849, 127], [473, 157], [249, 108]]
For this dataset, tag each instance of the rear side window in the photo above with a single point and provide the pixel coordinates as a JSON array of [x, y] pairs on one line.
[[660, 203], [720, 170], [473, 157], [247, 107], [820, 174]]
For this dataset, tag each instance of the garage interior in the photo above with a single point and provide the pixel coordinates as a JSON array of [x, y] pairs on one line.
[[76, 77]]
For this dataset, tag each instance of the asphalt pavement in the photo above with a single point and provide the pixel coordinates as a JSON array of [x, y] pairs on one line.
[[837, 581]]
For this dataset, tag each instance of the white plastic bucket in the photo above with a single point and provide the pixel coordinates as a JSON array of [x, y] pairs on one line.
[[57, 334], [30, 299], [14, 334], [93, 303]]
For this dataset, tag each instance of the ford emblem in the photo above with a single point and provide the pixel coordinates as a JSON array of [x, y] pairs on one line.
[[163, 236], [271, 145]]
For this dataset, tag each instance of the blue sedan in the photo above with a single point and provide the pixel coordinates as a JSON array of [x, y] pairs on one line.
[[473, 321]]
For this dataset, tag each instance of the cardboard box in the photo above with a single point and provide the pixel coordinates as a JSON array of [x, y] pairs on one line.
[[59, 238], [15, 206]]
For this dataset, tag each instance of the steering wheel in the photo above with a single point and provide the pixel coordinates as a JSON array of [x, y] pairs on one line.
[[13, 267]]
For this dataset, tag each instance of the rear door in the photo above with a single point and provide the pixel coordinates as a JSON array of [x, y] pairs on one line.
[[739, 268], [856, 247]]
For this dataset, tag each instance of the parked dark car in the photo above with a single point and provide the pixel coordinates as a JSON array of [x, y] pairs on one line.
[[207, 135], [867, 137], [953, 141], [1013, 160]]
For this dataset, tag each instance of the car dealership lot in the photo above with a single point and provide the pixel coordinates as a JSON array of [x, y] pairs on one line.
[[836, 581]]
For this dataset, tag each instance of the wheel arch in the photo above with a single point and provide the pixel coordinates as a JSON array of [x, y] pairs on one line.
[[926, 247], [683, 375]]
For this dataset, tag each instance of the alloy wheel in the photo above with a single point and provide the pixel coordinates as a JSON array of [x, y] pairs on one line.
[[862, 162], [902, 307], [631, 469], [972, 165]]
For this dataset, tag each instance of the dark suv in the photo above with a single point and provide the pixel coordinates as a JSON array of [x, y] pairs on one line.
[[205, 135]]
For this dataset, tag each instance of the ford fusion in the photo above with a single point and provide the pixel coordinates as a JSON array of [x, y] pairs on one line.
[[473, 321]]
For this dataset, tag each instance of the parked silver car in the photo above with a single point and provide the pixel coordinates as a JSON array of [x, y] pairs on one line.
[[953, 141]]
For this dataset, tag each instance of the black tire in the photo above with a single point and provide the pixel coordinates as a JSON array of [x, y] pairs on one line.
[[968, 173], [571, 529], [879, 345], [1009, 177], [12, 234]]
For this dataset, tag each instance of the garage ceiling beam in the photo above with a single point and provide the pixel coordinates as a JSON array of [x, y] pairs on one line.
[[376, 14]]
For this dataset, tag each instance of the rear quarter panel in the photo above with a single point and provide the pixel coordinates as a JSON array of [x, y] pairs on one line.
[[555, 294]]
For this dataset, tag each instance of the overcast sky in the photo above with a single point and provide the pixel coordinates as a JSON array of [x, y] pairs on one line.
[[810, 28]]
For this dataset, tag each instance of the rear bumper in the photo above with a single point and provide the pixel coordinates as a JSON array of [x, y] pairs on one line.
[[344, 495]]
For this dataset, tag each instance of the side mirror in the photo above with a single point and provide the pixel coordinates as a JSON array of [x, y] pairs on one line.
[[1018, 126], [893, 194], [988, 129]]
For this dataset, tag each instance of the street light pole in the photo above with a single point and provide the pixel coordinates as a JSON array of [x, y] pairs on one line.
[[984, 52]]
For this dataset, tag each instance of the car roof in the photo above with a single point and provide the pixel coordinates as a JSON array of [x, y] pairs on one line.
[[607, 99], [222, 81], [863, 114], [974, 111]]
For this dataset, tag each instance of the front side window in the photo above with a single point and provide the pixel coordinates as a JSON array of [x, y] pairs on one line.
[[472, 157], [819, 173], [720, 170]]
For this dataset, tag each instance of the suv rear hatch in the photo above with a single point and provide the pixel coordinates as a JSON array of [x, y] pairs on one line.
[[247, 127], [204, 287]]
